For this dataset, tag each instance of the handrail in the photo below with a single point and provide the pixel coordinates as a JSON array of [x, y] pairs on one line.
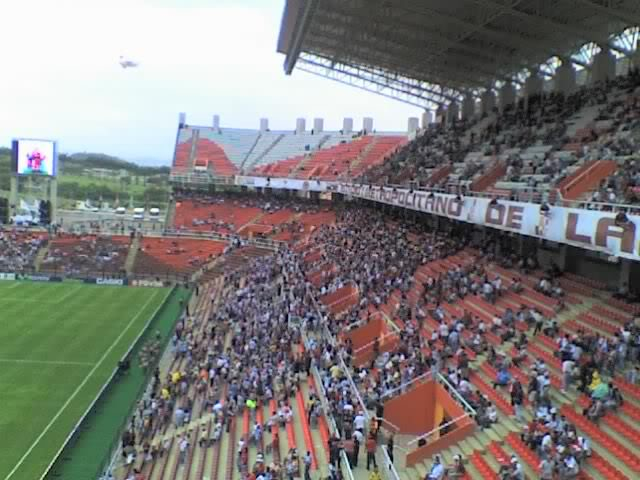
[[406, 384], [390, 469], [438, 428], [343, 366], [393, 425], [372, 342], [462, 400], [325, 406], [603, 205], [586, 173]]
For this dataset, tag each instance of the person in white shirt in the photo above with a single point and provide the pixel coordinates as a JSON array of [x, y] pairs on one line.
[[184, 445], [567, 374], [569, 468], [359, 422], [437, 470]]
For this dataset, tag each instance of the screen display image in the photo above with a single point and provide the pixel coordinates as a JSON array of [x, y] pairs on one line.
[[36, 157]]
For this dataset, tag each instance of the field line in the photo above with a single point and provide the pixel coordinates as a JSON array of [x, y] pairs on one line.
[[44, 362], [80, 387], [68, 294]]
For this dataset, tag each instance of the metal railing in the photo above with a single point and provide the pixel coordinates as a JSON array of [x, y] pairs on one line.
[[372, 342], [451, 389], [424, 376], [389, 468], [437, 429], [598, 206]]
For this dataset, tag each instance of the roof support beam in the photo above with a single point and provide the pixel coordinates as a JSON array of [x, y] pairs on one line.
[[302, 24], [553, 25], [624, 15]]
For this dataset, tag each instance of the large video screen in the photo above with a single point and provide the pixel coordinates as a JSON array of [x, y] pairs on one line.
[[35, 157]]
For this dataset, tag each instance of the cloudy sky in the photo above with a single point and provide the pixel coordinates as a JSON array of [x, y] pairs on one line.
[[61, 78]]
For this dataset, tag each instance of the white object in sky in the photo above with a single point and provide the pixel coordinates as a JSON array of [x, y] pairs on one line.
[[125, 63]]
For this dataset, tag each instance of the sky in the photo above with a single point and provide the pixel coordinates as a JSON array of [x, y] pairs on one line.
[[61, 77]]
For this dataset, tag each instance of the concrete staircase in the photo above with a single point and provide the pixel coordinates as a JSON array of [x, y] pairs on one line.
[[131, 256], [194, 148], [363, 154], [258, 137], [257, 160], [42, 253], [171, 215], [487, 445]]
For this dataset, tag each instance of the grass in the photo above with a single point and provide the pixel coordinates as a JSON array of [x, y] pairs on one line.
[[59, 343]]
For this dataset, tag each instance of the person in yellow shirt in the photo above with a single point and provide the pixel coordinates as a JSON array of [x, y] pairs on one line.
[[375, 474], [595, 381]]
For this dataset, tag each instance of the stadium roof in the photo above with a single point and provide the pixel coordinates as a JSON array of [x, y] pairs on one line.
[[427, 52]]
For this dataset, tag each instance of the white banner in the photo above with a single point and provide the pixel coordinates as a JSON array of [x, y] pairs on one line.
[[589, 229], [7, 276], [286, 183], [110, 281], [146, 283]]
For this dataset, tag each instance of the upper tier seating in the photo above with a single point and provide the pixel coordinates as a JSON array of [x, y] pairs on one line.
[[183, 150], [225, 152], [236, 143], [345, 159], [537, 144], [287, 146], [210, 156]]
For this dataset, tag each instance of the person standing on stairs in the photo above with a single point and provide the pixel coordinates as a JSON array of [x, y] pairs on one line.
[[371, 445], [356, 449], [307, 465], [390, 441]]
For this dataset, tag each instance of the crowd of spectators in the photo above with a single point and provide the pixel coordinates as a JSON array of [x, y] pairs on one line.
[[266, 334], [18, 250], [541, 120], [86, 255]]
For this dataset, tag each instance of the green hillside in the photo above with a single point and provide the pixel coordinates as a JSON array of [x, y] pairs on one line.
[[95, 176]]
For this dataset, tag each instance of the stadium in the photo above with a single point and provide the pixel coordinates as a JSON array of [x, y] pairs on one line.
[[458, 300]]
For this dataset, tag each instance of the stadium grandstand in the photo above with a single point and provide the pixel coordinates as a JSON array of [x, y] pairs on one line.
[[457, 301]]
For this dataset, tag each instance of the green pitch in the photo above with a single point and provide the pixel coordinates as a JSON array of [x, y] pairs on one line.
[[59, 343]]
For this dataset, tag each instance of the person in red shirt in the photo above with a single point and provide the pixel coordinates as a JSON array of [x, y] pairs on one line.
[[371, 445]]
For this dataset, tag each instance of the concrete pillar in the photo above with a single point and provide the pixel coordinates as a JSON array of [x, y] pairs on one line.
[[318, 125], [264, 124], [564, 80], [367, 124], [427, 118], [603, 67], [488, 101], [635, 56], [468, 107], [625, 273], [347, 125], [413, 125], [216, 122], [301, 125], [507, 95], [53, 198], [441, 114], [13, 195], [182, 119], [533, 84], [453, 112]]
